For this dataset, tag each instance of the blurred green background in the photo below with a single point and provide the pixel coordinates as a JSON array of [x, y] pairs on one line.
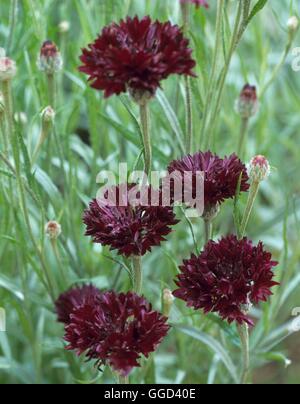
[[92, 134]]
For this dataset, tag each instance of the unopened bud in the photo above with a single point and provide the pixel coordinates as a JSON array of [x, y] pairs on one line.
[[247, 105], [53, 230], [49, 60], [293, 24], [64, 27], [259, 169], [167, 300], [48, 115], [21, 118], [8, 69]]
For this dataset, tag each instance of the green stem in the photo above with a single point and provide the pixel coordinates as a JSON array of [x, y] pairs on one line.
[[244, 336], [250, 204], [145, 122], [7, 94], [43, 136], [4, 133], [189, 116], [243, 137], [51, 90], [277, 68], [59, 262], [234, 43], [12, 24], [137, 274], [208, 224], [212, 78]]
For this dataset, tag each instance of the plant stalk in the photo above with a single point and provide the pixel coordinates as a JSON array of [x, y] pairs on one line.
[[137, 274], [250, 204], [244, 336], [145, 122]]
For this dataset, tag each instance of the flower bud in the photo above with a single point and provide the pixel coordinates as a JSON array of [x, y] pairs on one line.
[[53, 230], [48, 115], [64, 27], [21, 118], [167, 300], [8, 69], [49, 60], [293, 24], [259, 169], [247, 105]]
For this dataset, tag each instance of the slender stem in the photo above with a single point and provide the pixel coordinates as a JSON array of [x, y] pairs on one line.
[[51, 90], [208, 230], [212, 81], [43, 136], [137, 274], [145, 122], [59, 262], [4, 133], [234, 43], [243, 137], [250, 204], [277, 68], [189, 116], [244, 335], [7, 94], [12, 24]]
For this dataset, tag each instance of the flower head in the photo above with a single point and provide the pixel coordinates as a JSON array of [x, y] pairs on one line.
[[221, 176], [247, 105], [49, 60], [259, 169], [73, 299], [132, 227], [8, 68], [198, 3], [116, 331], [227, 278], [136, 55], [53, 230]]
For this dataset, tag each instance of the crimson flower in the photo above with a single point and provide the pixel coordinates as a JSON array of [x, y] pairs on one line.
[[221, 176], [74, 298], [227, 278], [130, 227], [198, 3], [136, 55], [116, 331]]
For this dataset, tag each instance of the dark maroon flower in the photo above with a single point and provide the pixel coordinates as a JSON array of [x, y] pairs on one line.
[[74, 298], [136, 55], [227, 278], [132, 229], [198, 3], [116, 331], [221, 176]]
